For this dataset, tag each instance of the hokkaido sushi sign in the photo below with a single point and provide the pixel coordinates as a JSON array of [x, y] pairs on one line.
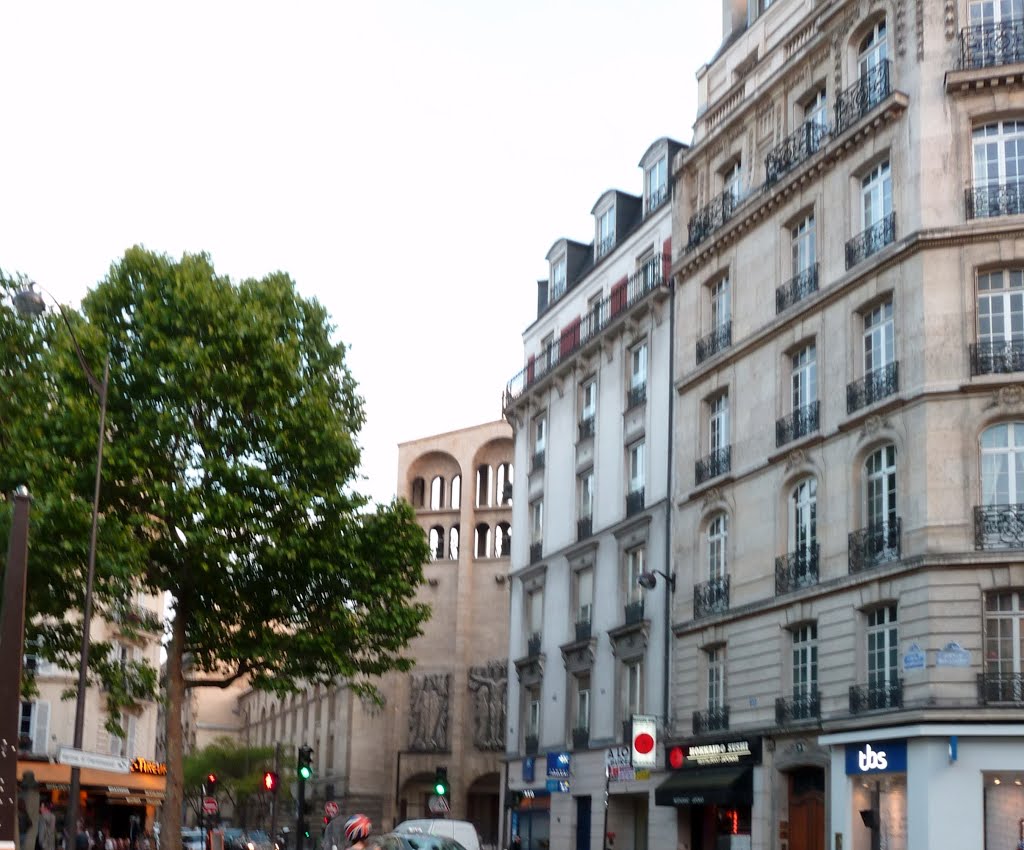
[[740, 751]]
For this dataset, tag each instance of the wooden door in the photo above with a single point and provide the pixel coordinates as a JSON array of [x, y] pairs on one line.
[[807, 809]]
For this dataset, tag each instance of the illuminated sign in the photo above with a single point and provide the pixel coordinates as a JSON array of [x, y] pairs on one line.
[[558, 765], [152, 768], [740, 751], [645, 741], [877, 757]]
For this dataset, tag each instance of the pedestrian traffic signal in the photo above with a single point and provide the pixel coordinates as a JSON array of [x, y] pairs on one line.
[[305, 763], [305, 832], [441, 781], [270, 781]]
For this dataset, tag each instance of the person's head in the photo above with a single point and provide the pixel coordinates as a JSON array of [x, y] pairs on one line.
[[357, 828], [44, 806]]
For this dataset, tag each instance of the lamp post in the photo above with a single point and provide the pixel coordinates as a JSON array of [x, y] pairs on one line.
[[30, 302]]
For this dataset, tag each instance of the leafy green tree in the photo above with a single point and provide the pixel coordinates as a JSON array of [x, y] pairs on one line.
[[239, 770], [229, 484]]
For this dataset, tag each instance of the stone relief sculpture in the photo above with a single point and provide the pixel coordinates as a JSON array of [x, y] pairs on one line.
[[429, 698], [489, 684]]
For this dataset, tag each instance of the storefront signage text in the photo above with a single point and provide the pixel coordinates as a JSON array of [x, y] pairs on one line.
[[745, 751], [877, 757], [558, 765], [141, 765]]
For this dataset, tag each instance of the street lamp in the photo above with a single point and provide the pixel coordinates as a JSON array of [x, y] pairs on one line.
[[30, 302]]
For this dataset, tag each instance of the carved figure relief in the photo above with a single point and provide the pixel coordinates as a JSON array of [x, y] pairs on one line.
[[489, 684], [429, 697], [1008, 396]]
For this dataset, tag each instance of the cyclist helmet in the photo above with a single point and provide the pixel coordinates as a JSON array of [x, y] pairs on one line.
[[357, 828]]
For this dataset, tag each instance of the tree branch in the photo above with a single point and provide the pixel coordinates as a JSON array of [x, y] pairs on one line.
[[219, 683]]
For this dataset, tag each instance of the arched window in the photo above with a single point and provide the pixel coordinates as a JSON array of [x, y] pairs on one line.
[[803, 516], [718, 535], [482, 545], [437, 493], [453, 543], [456, 492], [504, 489], [483, 486], [419, 487], [437, 542], [273, 723], [502, 540], [874, 49], [1002, 464], [880, 490], [263, 724]]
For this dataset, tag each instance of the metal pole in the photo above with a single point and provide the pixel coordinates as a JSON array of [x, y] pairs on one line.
[[273, 798], [12, 636], [71, 822], [607, 785]]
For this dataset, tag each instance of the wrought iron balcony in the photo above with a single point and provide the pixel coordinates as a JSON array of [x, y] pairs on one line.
[[991, 45], [997, 358], [871, 241], [1001, 689], [587, 428], [713, 720], [803, 706], [999, 526], [992, 199], [637, 395], [718, 340], [536, 550], [581, 738], [635, 502], [658, 197], [797, 569], [799, 423], [709, 218], [634, 612], [583, 630], [711, 466], [858, 100], [533, 645], [804, 142], [797, 288], [605, 246], [584, 527], [883, 695], [874, 386], [530, 745], [875, 545], [711, 597]]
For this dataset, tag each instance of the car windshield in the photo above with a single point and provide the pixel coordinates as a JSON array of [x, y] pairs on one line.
[[258, 835]]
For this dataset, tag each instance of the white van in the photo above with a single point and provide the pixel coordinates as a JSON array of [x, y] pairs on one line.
[[460, 830]]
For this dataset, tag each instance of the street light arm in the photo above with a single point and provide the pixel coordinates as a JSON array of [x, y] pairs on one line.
[[94, 383]]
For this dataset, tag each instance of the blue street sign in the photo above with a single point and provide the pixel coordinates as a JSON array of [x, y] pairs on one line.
[[558, 786], [558, 764]]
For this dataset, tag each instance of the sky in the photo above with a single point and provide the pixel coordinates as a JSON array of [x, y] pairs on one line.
[[408, 162]]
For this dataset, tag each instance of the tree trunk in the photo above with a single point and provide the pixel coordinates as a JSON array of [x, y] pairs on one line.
[[170, 818]]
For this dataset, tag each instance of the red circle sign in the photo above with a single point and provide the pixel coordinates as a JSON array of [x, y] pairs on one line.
[[331, 809], [643, 743]]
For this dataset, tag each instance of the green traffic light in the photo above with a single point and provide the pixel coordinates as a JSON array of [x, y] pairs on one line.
[[305, 771], [440, 790]]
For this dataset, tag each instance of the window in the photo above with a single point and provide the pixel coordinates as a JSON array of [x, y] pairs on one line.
[[718, 423], [657, 184], [1001, 316], [632, 689], [716, 679], [804, 377], [1002, 464], [453, 543], [557, 279], [584, 595], [876, 195], [593, 318], [805, 661], [537, 521], [636, 467], [456, 502], [483, 486], [1004, 643], [437, 542], [535, 611], [540, 432], [638, 366], [874, 50], [804, 256], [998, 169], [803, 516], [636, 563], [731, 186], [502, 540], [419, 487], [816, 110], [583, 703], [720, 303], [883, 649], [34, 726], [437, 493], [505, 480], [482, 544], [533, 712], [879, 338], [718, 536], [588, 401], [995, 11], [996, 36], [880, 472], [586, 495], [605, 231]]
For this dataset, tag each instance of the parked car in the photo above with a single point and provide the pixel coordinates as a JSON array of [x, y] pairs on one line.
[[461, 831], [193, 838], [417, 841], [240, 839]]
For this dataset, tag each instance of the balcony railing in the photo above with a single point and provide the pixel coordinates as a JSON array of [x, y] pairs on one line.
[[711, 597], [711, 466], [718, 340], [584, 527], [797, 288], [799, 423], [652, 275], [864, 95], [587, 428], [636, 396], [871, 241], [999, 526], [805, 706], [991, 45], [992, 199], [997, 358], [605, 246], [537, 461], [530, 745], [533, 645], [876, 697], [634, 612], [536, 550], [1001, 689], [712, 720], [709, 218], [635, 502], [580, 738], [875, 545], [797, 569], [657, 198], [874, 386], [583, 630], [794, 149]]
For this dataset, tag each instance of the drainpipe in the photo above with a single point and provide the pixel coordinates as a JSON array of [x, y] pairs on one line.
[[670, 584]]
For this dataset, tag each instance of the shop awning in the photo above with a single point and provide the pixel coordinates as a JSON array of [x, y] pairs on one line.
[[706, 785], [103, 781]]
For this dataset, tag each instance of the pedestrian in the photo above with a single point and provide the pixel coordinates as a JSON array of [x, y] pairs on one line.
[[24, 823], [46, 837], [82, 839]]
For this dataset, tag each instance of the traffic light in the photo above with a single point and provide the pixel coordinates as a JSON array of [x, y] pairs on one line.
[[305, 763], [305, 832], [211, 784], [270, 781], [441, 781]]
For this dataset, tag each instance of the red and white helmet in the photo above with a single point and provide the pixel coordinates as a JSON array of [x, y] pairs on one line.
[[357, 828]]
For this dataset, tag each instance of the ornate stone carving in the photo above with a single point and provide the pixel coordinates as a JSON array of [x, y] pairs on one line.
[[919, 15], [428, 712], [949, 18], [713, 495], [1007, 397], [795, 458], [489, 684], [872, 425]]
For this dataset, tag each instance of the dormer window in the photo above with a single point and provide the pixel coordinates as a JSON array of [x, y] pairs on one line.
[[605, 232], [557, 279], [657, 184]]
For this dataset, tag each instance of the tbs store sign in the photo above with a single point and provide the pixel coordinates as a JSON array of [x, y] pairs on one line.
[[876, 757]]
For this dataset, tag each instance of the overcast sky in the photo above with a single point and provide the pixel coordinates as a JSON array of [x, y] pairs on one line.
[[408, 162]]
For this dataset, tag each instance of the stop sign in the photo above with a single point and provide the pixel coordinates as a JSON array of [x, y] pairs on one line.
[[331, 809], [210, 805]]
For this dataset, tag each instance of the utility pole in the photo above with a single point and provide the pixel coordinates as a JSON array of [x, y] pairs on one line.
[[273, 800]]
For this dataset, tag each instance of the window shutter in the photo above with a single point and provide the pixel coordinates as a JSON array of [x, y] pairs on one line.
[[666, 259], [619, 297], [40, 726]]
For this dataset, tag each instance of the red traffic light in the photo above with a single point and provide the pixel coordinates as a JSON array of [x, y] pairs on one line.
[[270, 781], [211, 778]]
